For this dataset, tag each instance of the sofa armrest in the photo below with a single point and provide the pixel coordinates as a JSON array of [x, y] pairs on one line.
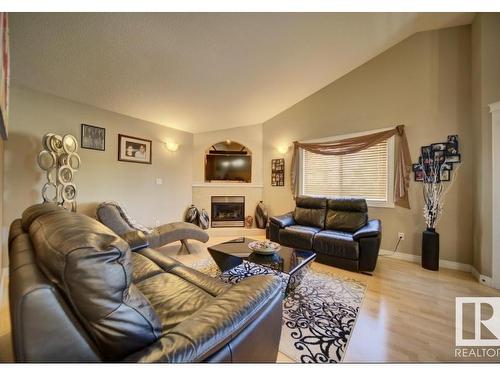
[[215, 325], [283, 220], [136, 240], [371, 229]]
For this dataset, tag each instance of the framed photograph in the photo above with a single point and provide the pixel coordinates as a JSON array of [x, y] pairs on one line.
[[444, 175], [93, 137], [4, 74], [426, 152], [438, 147], [439, 157], [453, 158], [419, 175], [134, 150], [453, 139]]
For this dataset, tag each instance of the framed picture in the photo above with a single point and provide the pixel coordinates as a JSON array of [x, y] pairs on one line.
[[453, 158], [4, 74], [134, 150], [419, 175], [93, 137], [426, 152], [439, 157], [445, 175], [438, 147], [278, 172], [416, 167], [452, 145]]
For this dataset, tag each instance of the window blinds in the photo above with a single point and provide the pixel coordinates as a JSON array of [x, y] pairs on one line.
[[362, 174]]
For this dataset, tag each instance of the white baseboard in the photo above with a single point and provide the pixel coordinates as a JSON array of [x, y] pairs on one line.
[[417, 259], [483, 279]]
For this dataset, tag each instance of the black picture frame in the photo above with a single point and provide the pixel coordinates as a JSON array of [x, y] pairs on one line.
[[126, 141], [438, 146], [444, 175], [92, 137], [453, 158], [278, 172]]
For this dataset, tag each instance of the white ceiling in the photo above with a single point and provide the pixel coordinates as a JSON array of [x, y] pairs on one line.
[[201, 71]]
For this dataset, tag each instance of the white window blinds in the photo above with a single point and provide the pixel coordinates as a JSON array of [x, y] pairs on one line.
[[362, 174]]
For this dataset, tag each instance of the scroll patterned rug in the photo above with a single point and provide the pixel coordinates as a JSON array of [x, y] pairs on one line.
[[318, 316]]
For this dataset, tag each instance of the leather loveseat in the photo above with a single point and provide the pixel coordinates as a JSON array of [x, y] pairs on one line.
[[79, 293], [337, 229]]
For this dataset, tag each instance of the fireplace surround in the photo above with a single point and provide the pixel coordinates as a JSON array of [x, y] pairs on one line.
[[228, 211]]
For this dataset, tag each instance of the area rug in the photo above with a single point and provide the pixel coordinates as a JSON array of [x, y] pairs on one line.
[[318, 316]]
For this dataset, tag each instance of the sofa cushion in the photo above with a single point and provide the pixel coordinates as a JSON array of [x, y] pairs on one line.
[[346, 214], [173, 298], [337, 244], [298, 236], [310, 211], [92, 268]]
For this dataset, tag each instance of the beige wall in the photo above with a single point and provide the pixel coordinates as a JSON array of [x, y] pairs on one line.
[[485, 91], [101, 176], [422, 82]]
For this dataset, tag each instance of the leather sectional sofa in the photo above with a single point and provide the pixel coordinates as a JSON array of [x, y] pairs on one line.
[[338, 230], [80, 293]]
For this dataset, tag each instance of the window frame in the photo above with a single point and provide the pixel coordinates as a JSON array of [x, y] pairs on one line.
[[389, 201]]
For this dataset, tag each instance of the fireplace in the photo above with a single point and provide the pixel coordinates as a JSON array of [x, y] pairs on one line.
[[228, 211]]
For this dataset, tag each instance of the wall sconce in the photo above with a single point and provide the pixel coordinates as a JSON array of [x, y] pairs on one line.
[[171, 146], [282, 149]]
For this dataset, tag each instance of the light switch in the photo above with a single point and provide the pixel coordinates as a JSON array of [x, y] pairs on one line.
[[159, 181]]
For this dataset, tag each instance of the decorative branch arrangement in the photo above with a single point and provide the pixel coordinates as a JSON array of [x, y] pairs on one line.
[[434, 170]]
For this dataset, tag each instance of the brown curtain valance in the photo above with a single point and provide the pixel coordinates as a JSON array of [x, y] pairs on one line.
[[352, 145]]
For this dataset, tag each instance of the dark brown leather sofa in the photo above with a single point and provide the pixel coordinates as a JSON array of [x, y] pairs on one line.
[[78, 293], [338, 230]]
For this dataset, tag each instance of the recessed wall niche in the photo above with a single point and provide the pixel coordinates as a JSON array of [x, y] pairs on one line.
[[228, 161]]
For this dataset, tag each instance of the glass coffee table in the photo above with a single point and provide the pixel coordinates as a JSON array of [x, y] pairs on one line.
[[287, 260]]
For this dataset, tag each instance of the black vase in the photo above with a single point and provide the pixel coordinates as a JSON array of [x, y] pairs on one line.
[[261, 215], [203, 219], [430, 249], [192, 215]]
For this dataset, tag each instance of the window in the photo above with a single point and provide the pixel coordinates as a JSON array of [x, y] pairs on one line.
[[368, 174]]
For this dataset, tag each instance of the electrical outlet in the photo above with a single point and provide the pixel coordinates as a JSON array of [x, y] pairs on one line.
[[401, 236], [159, 181]]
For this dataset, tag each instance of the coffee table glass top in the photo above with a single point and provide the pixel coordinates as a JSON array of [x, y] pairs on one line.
[[231, 253]]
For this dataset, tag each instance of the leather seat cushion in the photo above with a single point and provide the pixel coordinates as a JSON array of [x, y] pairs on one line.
[[143, 267], [298, 236], [336, 243], [91, 265], [173, 298]]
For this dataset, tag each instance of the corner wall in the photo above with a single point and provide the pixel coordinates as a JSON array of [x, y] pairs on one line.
[[422, 82], [249, 136], [101, 176], [485, 91]]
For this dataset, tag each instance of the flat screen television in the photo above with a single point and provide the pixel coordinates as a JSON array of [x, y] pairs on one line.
[[228, 168]]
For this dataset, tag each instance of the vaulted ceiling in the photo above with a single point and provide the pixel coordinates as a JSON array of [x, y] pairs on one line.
[[201, 71]]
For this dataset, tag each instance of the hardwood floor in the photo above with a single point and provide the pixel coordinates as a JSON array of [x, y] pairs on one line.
[[408, 313]]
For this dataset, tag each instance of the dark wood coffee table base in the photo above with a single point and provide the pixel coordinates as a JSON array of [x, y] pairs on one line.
[[293, 262]]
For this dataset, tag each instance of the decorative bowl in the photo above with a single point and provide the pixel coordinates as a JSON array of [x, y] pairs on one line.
[[264, 247]]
